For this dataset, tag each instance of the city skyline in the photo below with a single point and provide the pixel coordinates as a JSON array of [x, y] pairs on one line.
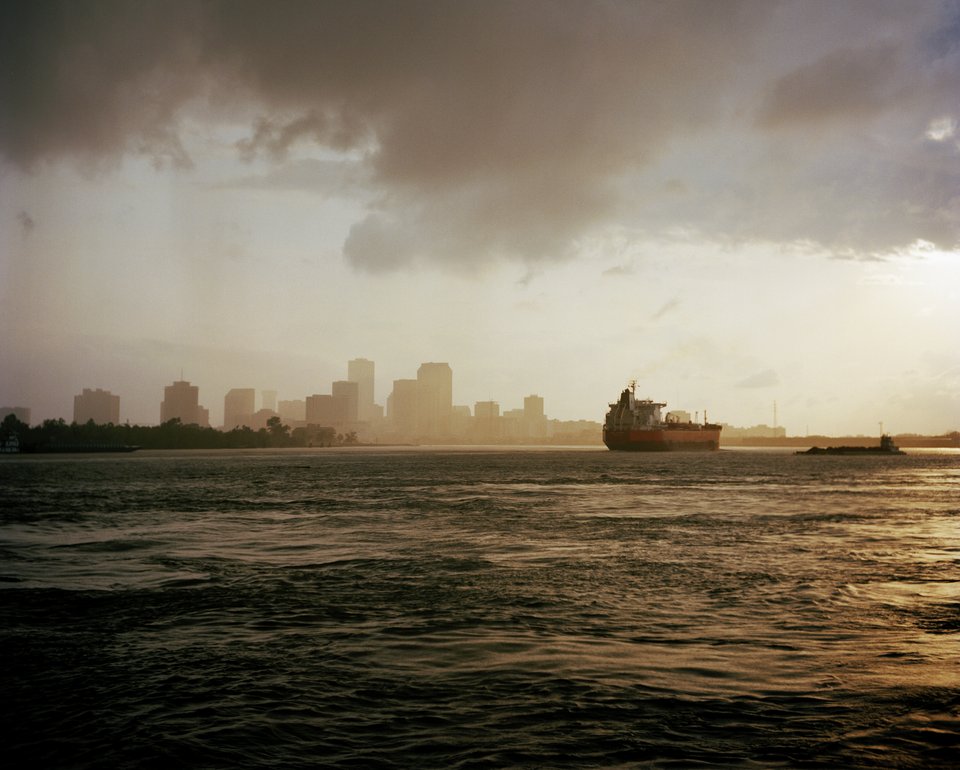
[[732, 203], [182, 399], [487, 419]]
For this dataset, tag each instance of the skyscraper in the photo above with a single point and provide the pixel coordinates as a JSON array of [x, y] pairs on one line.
[[22, 413], [101, 406], [486, 419], [360, 371], [535, 421], [434, 399], [238, 407], [180, 401], [402, 407], [268, 399], [326, 410], [349, 392], [294, 410]]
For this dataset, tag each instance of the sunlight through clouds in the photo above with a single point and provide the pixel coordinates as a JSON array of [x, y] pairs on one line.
[[553, 197]]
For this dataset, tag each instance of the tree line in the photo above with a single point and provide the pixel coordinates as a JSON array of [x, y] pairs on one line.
[[59, 435]]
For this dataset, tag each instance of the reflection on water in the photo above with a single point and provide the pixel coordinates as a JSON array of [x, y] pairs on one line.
[[482, 608]]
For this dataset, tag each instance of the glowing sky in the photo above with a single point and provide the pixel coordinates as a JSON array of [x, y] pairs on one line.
[[733, 203]]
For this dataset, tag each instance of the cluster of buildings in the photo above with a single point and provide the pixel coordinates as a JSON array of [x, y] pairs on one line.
[[419, 410], [416, 410]]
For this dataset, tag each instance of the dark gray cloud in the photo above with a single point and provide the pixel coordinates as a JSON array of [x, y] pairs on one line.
[[275, 138], [517, 129], [26, 222], [843, 85], [95, 79]]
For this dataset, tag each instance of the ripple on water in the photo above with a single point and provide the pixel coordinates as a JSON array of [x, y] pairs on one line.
[[478, 609]]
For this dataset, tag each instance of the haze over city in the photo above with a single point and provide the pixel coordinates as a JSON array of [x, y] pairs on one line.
[[733, 203]]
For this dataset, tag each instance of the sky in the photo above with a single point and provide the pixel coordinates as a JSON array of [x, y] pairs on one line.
[[735, 204]]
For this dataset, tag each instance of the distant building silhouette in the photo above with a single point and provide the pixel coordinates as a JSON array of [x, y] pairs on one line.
[[434, 399], [513, 427], [181, 401], [294, 410], [98, 405], [238, 407], [486, 420], [402, 408], [534, 418], [350, 393], [754, 431], [268, 399], [461, 421], [22, 413], [361, 371], [327, 411], [259, 418]]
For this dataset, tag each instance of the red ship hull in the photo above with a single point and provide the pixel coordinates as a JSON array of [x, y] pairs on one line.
[[685, 438]]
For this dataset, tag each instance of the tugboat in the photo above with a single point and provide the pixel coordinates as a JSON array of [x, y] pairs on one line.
[[887, 447], [635, 425]]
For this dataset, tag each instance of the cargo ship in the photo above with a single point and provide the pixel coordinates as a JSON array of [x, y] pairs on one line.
[[635, 425]]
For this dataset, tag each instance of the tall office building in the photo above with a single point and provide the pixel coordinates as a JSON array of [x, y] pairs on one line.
[[101, 406], [486, 420], [22, 413], [360, 371], [533, 407], [180, 401], [349, 392], [238, 407], [434, 399], [534, 419], [294, 410], [268, 399], [461, 421], [402, 407], [326, 410]]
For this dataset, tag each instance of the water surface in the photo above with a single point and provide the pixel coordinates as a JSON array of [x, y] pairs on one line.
[[481, 608]]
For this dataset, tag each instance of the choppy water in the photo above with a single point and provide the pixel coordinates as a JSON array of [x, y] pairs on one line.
[[461, 609]]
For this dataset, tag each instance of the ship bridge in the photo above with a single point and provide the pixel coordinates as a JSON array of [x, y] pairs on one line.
[[631, 412]]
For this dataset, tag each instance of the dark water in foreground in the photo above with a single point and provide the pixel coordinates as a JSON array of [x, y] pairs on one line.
[[460, 609]]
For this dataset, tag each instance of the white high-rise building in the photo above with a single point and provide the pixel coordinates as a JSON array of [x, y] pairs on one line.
[[361, 371], [268, 400], [434, 399]]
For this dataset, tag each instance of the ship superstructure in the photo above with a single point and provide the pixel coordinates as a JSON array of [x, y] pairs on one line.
[[635, 424]]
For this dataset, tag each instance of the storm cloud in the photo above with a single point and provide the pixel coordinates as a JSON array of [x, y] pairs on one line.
[[507, 130]]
